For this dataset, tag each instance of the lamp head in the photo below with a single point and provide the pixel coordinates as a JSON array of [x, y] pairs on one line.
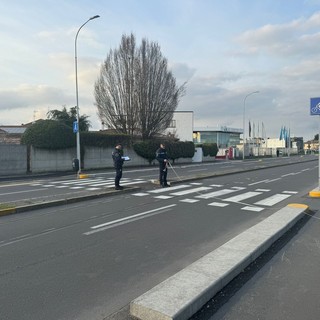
[[94, 17]]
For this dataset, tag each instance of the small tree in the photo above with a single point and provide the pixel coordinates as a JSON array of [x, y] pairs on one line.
[[68, 117]]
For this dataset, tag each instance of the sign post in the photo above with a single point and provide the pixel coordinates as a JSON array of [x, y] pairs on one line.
[[315, 111]]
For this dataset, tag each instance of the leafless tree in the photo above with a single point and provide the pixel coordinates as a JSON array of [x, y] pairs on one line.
[[135, 93]]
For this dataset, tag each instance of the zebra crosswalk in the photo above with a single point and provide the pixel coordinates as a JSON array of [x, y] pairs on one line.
[[218, 196], [89, 184]]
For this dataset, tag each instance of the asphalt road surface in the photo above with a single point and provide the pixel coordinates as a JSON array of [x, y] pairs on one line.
[[90, 259]]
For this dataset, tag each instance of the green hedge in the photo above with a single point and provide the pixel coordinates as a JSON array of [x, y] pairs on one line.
[[104, 140], [209, 149], [49, 134], [52, 134], [175, 150]]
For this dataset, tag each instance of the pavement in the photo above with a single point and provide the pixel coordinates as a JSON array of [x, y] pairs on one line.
[[182, 295]]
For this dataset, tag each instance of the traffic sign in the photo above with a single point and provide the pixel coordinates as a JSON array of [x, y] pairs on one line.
[[315, 106], [75, 126]]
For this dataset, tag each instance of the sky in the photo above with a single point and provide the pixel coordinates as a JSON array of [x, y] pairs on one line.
[[224, 50]]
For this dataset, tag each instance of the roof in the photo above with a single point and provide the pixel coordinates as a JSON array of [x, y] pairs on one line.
[[13, 129]]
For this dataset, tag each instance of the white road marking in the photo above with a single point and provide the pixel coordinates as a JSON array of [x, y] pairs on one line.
[[131, 217], [262, 181], [189, 200], [218, 204], [129, 183], [104, 226], [238, 188], [288, 174], [263, 190], [216, 193], [140, 194], [273, 180], [273, 200], [250, 208], [101, 184], [216, 185], [184, 192], [242, 196], [196, 183], [163, 197], [290, 192], [169, 189]]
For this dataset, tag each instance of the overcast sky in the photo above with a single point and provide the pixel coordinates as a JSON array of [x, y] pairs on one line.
[[225, 50]]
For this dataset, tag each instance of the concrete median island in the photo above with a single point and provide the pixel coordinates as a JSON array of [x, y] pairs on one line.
[[184, 293]]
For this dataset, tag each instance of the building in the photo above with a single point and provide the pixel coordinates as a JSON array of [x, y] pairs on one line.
[[224, 137], [11, 134], [181, 126], [311, 146]]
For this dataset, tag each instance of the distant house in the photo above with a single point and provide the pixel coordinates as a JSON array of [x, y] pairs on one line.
[[11, 134]]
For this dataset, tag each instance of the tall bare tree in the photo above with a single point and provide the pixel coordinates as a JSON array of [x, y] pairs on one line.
[[135, 93]]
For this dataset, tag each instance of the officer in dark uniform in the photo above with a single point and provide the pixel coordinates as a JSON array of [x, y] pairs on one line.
[[161, 156], [118, 163]]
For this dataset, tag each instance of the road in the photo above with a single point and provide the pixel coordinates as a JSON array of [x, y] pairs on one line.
[[38, 188], [90, 259]]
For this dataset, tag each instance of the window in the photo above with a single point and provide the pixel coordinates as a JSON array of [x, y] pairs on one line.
[[172, 124]]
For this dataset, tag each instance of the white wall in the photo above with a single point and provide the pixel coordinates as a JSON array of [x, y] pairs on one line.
[[184, 125], [275, 143]]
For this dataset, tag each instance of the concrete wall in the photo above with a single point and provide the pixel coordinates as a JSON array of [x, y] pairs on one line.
[[13, 159], [96, 158], [42, 160]]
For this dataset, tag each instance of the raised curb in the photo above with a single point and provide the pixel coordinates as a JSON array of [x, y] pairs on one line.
[[183, 294], [314, 193], [58, 202]]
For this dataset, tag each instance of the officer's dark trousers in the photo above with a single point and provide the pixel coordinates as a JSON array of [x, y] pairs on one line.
[[163, 171], [118, 177]]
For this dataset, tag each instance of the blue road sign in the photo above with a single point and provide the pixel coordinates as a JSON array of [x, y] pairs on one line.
[[315, 106], [75, 126]]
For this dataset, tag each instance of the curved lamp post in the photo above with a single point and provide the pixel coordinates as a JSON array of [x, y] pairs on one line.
[[244, 111], [77, 95]]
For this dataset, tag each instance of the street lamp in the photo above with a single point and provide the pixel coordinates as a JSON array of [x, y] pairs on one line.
[[77, 95], [244, 111]]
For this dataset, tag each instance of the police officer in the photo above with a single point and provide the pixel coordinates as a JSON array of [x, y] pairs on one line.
[[161, 156], [118, 163]]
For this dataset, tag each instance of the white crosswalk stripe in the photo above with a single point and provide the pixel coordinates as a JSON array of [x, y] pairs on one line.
[[90, 184], [182, 186], [218, 204], [242, 196], [271, 201], [252, 208], [195, 190], [204, 193], [216, 194]]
